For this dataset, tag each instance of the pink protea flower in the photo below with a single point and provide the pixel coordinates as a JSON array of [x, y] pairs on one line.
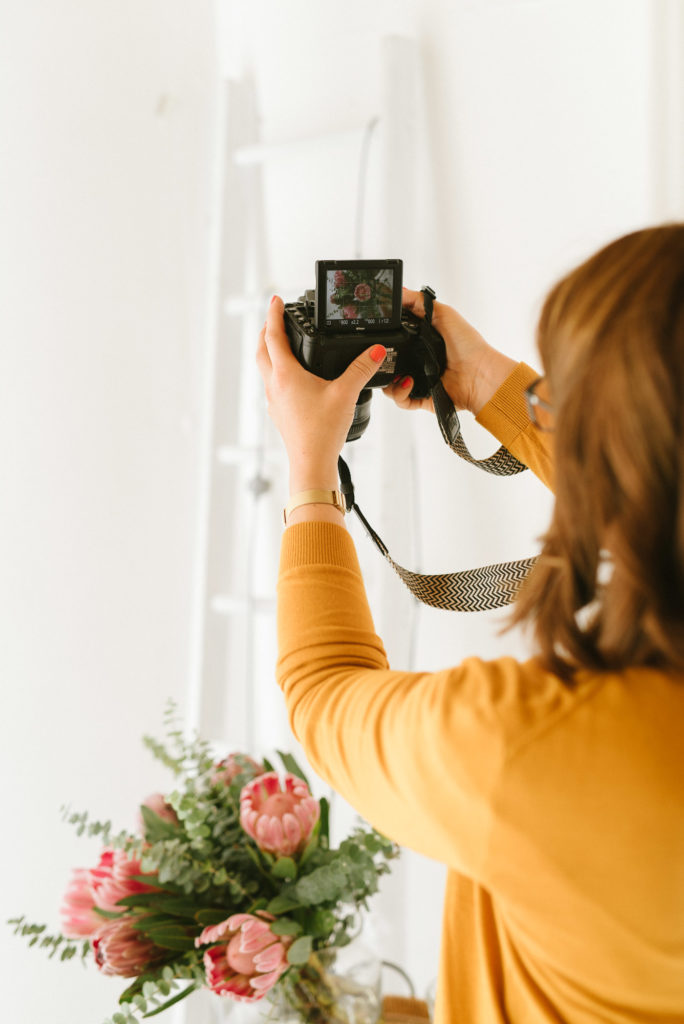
[[280, 821], [362, 292], [157, 803], [112, 879], [349, 312], [234, 765], [77, 912], [248, 959], [121, 949]]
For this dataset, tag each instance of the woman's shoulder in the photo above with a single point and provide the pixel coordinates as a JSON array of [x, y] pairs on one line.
[[528, 703], [535, 709]]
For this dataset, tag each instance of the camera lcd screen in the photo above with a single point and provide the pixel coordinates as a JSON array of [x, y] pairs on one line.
[[358, 295]]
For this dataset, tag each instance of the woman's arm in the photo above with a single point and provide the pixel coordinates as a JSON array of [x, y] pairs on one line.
[[419, 755]]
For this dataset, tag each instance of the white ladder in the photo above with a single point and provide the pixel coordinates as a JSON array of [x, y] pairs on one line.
[[241, 457], [243, 471]]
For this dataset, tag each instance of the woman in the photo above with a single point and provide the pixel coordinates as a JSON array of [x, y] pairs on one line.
[[553, 789]]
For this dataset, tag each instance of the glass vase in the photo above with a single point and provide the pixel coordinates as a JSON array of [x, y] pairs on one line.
[[338, 985]]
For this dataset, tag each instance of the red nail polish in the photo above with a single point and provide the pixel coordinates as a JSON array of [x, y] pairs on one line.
[[378, 353], [406, 382]]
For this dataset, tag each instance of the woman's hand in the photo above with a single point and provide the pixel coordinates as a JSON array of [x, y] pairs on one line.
[[474, 370], [313, 416]]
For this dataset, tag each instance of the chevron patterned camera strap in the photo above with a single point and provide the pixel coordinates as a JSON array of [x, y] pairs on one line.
[[471, 590]]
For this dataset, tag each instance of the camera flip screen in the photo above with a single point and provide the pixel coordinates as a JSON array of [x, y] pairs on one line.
[[358, 294]]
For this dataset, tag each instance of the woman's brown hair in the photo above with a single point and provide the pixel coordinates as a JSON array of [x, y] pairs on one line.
[[608, 590]]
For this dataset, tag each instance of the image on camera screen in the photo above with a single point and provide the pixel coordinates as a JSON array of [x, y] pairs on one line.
[[359, 294]]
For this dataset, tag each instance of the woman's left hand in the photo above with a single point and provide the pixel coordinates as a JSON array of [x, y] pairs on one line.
[[313, 416]]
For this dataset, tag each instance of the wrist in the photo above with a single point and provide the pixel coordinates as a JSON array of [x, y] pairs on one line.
[[305, 476], [492, 370]]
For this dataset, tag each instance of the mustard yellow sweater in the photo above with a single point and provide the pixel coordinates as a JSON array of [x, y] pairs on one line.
[[559, 813]]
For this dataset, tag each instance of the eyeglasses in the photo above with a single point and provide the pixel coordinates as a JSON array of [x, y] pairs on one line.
[[539, 409]]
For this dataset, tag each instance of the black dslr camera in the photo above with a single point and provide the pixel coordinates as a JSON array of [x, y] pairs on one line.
[[356, 303]]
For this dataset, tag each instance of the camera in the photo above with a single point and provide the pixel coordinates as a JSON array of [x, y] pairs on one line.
[[357, 303]]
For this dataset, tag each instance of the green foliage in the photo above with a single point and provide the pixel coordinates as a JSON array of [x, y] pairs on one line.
[[155, 827], [300, 950], [204, 868], [286, 926], [84, 825], [183, 757], [291, 766], [36, 935], [284, 867]]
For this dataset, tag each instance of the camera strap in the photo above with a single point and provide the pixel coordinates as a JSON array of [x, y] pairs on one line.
[[471, 590], [501, 463]]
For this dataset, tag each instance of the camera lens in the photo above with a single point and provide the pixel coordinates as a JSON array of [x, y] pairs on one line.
[[361, 415]]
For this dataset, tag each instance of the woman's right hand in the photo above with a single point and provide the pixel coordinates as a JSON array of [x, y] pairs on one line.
[[474, 370]]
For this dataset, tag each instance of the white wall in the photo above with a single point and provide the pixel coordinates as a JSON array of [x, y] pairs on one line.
[[544, 135], [105, 132]]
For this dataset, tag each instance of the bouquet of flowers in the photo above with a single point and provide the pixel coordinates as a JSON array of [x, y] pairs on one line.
[[230, 884]]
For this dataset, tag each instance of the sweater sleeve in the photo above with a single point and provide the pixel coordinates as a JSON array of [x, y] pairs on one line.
[[505, 416], [417, 754]]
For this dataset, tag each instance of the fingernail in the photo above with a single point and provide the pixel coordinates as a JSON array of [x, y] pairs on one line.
[[406, 382], [378, 353], [273, 299], [398, 377]]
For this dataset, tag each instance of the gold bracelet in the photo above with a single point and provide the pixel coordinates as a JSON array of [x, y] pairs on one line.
[[314, 497]]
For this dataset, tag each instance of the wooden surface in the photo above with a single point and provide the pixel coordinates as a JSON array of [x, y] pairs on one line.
[[402, 1010]]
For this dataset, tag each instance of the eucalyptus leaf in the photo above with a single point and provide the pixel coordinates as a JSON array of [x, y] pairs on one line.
[[300, 950], [320, 923], [286, 926], [284, 867], [282, 905]]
